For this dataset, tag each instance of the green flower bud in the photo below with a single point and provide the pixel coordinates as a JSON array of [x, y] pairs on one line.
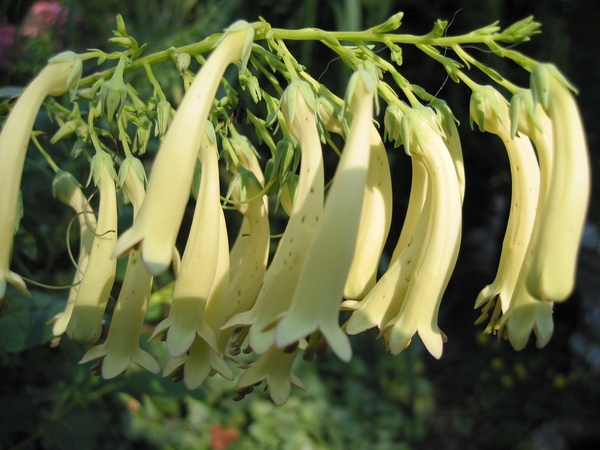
[[163, 111], [396, 53], [480, 97], [86, 95], [183, 62], [247, 80], [114, 93], [391, 123], [125, 42], [66, 130], [393, 23], [121, 29]]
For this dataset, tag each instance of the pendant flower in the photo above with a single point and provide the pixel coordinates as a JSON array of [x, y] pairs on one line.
[[85, 326], [122, 343], [61, 74], [199, 262], [173, 169], [281, 278], [68, 191], [318, 294], [275, 366]]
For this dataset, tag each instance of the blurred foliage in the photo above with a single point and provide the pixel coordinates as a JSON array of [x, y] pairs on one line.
[[480, 395]]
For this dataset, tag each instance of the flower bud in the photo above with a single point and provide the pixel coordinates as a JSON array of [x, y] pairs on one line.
[[183, 62], [163, 111], [114, 93]]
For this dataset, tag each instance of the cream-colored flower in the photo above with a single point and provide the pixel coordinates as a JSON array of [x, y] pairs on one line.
[[275, 366], [552, 274], [85, 326], [67, 190], [199, 262], [436, 260], [525, 175], [122, 343], [281, 277], [316, 301], [154, 229], [61, 74]]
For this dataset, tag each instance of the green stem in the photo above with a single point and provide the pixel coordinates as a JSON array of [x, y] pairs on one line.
[[44, 153], [258, 196], [165, 55]]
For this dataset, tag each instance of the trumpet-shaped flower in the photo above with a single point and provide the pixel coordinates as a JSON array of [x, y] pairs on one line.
[[199, 261], [68, 191], [245, 284], [171, 177], [122, 343], [437, 257], [281, 277], [275, 366], [316, 301], [61, 74], [525, 174], [552, 273], [85, 325]]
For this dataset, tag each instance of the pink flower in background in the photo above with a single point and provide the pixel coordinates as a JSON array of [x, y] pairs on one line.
[[7, 36], [42, 17]]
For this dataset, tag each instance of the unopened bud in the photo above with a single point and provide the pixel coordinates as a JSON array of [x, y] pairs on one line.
[[183, 62]]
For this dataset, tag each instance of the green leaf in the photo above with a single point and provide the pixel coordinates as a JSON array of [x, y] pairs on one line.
[[25, 323]]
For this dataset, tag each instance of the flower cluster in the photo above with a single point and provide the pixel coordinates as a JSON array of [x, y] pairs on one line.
[[284, 302]]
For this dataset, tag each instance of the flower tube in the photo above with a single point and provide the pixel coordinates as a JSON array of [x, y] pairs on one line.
[[171, 177], [316, 301], [281, 278], [85, 326], [67, 190], [61, 74], [437, 258], [199, 261], [552, 274], [122, 343]]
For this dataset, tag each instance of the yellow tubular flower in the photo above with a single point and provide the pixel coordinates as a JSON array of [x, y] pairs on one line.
[[199, 261], [440, 248], [60, 75], [416, 202], [525, 175], [452, 139], [281, 277], [216, 306], [172, 173], [85, 326], [245, 285], [376, 215], [525, 313], [552, 274], [384, 301], [122, 343], [200, 362], [316, 301], [69, 192], [275, 366], [238, 250]]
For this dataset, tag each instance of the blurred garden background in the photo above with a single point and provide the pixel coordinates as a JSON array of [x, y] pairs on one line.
[[480, 395]]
